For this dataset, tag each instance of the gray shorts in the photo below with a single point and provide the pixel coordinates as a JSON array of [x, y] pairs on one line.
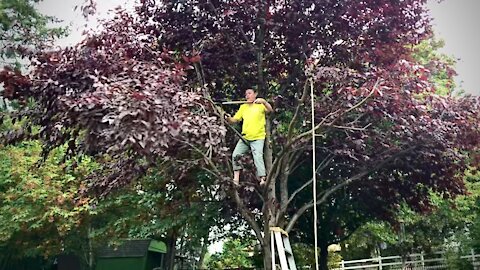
[[257, 152]]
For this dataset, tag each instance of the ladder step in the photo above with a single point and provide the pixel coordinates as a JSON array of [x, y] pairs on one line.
[[286, 245], [279, 238]]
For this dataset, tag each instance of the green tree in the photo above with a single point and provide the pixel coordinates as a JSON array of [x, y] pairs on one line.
[[235, 254], [43, 211], [41, 215], [185, 216], [473, 179], [24, 30], [441, 66], [452, 223]]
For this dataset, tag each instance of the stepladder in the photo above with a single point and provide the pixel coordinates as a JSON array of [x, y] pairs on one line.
[[280, 245]]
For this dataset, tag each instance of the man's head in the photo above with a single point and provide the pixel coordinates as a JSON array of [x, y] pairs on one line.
[[250, 95]]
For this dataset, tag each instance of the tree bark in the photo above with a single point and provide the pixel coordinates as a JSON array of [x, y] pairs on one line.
[[203, 252], [269, 220], [267, 254], [169, 262], [323, 257], [268, 148]]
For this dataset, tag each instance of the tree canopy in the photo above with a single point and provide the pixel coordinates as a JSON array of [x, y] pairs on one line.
[[139, 95]]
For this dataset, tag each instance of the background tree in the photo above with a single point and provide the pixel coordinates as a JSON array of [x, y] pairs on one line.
[[186, 216], [41, 214], [138, 95], [441, 66], [343, 216], [24, 29], [338, 219], [235, 254], [451, 223]]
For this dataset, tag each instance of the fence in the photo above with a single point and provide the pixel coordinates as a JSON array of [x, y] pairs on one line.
[[418, 261]]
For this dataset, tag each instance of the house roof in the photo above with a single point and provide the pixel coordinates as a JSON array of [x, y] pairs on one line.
[[133, 248]]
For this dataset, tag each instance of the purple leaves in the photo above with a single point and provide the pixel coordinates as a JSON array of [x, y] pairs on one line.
[[127, 101], [132, 92]]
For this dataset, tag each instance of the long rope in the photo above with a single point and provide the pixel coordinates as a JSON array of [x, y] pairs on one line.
[[315, 234]]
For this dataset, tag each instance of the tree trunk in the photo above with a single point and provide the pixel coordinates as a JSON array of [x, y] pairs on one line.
[[203, 252], [267, 255], [269, 221], [267, 149], [323, 257], [269, 201], [169, 262]]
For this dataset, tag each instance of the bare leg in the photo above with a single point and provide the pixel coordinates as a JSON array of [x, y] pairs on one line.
[[240, 149]]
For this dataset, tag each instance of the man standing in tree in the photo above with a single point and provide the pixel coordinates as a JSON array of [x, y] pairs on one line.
[[253, 131]]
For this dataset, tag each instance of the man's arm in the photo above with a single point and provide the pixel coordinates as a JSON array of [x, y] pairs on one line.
[[236, 118], [230, 119], [265, 103]]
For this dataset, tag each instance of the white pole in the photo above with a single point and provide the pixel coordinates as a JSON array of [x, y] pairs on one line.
[[314, 171], [235, 102], [272, 248]]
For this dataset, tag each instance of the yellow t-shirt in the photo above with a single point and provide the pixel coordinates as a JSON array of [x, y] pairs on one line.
[[253, 116]]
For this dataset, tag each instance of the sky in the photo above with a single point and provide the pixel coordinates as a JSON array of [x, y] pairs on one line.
[[455, 21]]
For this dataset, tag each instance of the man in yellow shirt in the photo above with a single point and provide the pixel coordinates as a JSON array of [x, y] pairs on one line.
[[252, 114]]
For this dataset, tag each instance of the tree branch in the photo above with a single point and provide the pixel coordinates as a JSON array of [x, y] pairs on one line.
[[248, 216], [297, 110], [374, 88], [309, 132], [243, 210], [260, 44], [352, 128], [320, 167], [331, 123], [284, 186], [237, 27], [329, 192]]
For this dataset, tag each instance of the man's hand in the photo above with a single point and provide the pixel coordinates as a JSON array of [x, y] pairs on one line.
[[260, 101], [265, 103]]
